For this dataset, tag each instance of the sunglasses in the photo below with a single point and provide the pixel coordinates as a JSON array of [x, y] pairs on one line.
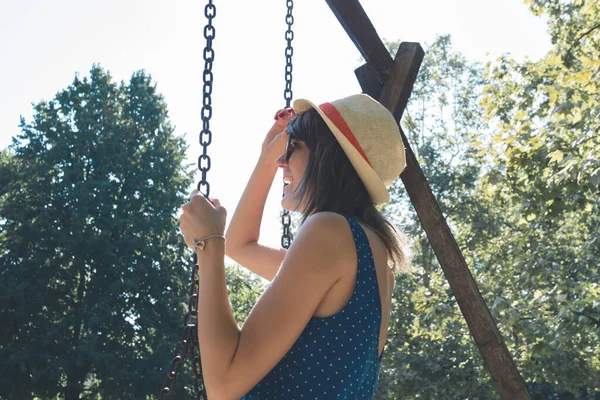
[[289, 147]]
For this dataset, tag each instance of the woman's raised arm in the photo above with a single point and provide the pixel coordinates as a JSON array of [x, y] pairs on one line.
[[244, 228]]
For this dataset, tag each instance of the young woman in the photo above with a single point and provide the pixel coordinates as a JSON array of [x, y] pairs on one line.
[[319, 329]]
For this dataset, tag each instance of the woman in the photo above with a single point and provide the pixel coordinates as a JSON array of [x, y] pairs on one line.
[[319, 329]]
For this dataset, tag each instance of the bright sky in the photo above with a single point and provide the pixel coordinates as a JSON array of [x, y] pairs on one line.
[[44, 43]]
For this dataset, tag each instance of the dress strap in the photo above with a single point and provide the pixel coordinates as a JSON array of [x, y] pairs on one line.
[[366, 275]]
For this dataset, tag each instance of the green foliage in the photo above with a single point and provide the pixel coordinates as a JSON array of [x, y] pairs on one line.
[[512, 157], [546, 181], [244, 289], [93, 273], [430, 353]]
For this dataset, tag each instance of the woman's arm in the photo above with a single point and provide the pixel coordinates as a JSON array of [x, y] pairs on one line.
[[235, 359], [244, 229]]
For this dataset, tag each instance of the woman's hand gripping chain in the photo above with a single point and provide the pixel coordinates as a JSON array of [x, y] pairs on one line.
[[202, 219]]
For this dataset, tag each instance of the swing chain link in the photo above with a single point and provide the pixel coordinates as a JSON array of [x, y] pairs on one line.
[[188, 343], [210, 11], [289, 52], [286, 237]]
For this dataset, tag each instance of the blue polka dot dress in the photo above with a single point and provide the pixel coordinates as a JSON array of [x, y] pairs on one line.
[[335, 357]]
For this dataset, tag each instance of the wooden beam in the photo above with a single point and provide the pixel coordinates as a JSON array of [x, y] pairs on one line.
[[401, 77], [400, 80], [357, 25], [367, 77], [397, 85]]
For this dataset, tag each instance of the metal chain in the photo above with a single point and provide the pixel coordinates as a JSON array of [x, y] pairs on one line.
[[188, 343], [289, 52], [210, 11], [286, 237]]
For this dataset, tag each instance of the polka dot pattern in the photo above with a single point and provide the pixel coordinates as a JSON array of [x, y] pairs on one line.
[[335, 357]]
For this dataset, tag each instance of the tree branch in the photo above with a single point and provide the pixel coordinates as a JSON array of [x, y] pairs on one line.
[[592, 29], [594, 320]]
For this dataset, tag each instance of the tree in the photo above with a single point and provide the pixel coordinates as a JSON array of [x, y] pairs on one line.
[[93, 274], [545, 182], [523, 206]]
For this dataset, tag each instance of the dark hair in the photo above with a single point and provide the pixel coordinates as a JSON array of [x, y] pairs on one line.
[[330, 183]]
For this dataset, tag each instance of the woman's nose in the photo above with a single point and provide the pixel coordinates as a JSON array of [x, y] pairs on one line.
[[281, 161]]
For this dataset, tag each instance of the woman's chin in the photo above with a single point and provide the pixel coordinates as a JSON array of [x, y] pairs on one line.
[[286, 204], [288, 201]]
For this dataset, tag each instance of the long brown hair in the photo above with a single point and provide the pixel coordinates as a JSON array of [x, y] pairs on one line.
[[330, 183]]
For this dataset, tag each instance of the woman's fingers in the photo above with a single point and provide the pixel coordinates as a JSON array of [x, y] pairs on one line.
[[279, 114], [196, 194], [193, 193], [284, 113], [282, 117], [202, 216]]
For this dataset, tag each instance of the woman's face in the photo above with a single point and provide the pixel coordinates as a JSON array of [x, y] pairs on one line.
[[293, 162]]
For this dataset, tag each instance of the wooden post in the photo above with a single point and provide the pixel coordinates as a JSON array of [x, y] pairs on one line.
[[391, 82]]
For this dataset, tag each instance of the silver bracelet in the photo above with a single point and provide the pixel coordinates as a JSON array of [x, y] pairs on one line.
[[199, 244]]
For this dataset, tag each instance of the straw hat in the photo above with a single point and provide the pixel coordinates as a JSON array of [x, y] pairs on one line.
[[369, 135]]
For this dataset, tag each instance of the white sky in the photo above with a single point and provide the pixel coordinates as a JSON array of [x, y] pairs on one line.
[[43, 44]]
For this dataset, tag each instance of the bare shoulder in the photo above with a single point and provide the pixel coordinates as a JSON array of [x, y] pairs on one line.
[[325, 222], [322, 233], [328, 228]]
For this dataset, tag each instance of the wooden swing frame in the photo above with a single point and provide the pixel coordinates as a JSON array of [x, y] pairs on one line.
[[391, 82]]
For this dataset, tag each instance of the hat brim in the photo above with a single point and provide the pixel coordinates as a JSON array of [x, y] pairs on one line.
[[375, 186]]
